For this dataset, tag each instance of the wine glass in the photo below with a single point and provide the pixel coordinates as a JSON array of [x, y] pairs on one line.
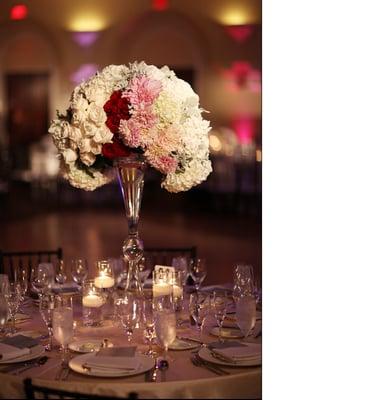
[[61, 276], [243, 280], [148, 322], [46, 308], [4, 312], [165, 321], [63, 328], [42, 278], [181, 264], [246, 313], [79, 270], [13, 297], [127, 311], [219, 302], [199, 305], [198, 272]]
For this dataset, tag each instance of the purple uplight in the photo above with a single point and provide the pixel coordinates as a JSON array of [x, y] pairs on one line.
[[85, 39], [83, 72]]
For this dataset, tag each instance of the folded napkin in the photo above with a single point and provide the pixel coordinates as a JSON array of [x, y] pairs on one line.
[[65, 287], [9, 353], [109, 364], [235, 352], [20, 341]]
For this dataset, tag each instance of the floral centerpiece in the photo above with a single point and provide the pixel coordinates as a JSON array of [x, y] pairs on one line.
[[125, 118], [137, 108]]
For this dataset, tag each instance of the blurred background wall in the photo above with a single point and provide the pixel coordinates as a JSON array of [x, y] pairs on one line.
[[47, 47]]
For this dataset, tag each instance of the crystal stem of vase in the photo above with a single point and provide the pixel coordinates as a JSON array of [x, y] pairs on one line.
[[131, 180]]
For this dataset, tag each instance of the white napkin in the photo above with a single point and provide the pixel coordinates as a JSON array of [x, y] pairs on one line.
[[8, 353], [109, 364], [238, 353]]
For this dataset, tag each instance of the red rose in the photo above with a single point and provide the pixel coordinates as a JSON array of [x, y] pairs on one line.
[[113, 123], [115, 149], [116, 108]]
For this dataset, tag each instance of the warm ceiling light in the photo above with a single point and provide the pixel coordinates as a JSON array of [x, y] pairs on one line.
[[160, 5], [237, 16], [87, 23], [19, 11]]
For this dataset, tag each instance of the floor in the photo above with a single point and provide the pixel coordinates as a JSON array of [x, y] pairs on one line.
[[97, 232]]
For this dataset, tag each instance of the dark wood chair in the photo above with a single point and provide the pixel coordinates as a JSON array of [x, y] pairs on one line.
[[13, 261], [37, 392]]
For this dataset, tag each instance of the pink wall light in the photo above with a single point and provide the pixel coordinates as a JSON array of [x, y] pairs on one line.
[[245, 129]]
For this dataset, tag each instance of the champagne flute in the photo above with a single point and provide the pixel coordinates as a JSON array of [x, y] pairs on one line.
[[63, 328], [13, 297], [46, 308], [246, 313], [79, 270], [219, 302], [4, 312], [198, 272], [148, 321]]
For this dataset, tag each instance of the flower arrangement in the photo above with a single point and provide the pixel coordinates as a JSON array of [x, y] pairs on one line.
[[137, 108]]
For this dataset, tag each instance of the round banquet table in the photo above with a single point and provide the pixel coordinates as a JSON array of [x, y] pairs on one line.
[[181, 380]]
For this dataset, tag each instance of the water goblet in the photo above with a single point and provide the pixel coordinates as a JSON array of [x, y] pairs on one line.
[[4, 283], [246, 313], [198, 272], [165, 321], [127, 311], [42, 278], [63, 328], [79, 270], [219, 302], [46, 308]]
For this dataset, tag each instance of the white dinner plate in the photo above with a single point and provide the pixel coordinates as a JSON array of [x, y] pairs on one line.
[[87, 345], [76, 364], [180, 344], [36, 351], [206, 355]]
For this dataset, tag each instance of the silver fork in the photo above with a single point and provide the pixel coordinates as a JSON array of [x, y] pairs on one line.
[[198, 362], [64, 366]]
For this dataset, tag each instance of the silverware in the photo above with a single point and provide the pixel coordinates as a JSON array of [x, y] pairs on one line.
[[36, 363], [64, 367], [198, 362], [65, 373], [190, 339]]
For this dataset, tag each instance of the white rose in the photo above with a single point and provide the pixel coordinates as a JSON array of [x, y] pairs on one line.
[[59, 129], [103, 135], [79, 104], [90, 129], [87, 158], [69, 155], [75, 134], [96, 114], [85, 145]]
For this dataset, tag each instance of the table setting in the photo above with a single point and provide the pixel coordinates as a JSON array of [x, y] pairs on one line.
[[133, 339]]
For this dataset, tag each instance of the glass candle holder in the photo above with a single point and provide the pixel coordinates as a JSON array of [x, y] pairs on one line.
[[105, 275], [162, 283], [177, 280], [92, 303]]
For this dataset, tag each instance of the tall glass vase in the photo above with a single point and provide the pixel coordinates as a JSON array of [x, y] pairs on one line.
[[130, 171]]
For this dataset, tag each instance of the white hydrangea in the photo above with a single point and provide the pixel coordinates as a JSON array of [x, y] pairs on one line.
[[80, 179]]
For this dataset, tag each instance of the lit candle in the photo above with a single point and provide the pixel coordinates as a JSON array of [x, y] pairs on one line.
[[161, 289], [178, 291], [92, 301], [104, 281]]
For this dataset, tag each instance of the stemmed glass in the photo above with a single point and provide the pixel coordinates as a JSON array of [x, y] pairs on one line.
[[46, 308], [63, 327], [127, 310], [4, 283], [198, 272], [199, 305], [4, 313], [246, 313], [42, 278], [148, 321], [165, 321], [219, 302], [181, 264], [79, 270], [143, 271], [61, 276], [13, 297]]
